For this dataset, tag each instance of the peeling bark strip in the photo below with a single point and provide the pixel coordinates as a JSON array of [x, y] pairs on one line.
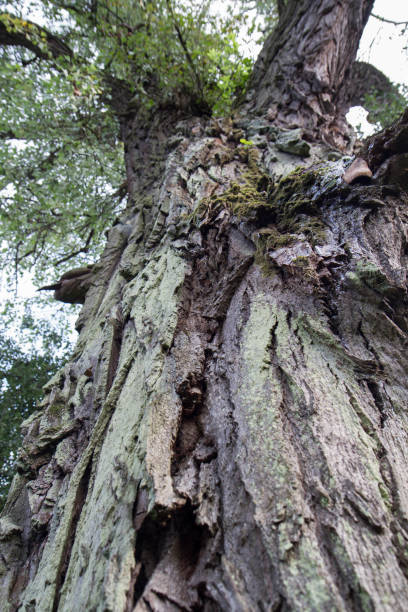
[[231, 432]]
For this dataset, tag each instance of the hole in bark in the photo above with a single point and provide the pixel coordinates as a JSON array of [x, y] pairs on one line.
[[264, 216], [332, 313], [208, 352], [149, 547], [378, 400], [140, 585], [175, 544], [263, 184]]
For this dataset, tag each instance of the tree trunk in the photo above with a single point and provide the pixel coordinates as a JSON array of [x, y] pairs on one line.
[[231, 431]]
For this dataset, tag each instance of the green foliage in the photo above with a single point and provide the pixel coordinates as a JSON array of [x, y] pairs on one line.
[[246, 143], [385, 108], [60, 168], [164, 50], [62, 178], [30, 353]]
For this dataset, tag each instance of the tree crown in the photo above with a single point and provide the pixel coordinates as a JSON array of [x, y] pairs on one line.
[[64, 82]]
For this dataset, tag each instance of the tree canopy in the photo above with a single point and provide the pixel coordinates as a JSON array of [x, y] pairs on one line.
[[62, 93]]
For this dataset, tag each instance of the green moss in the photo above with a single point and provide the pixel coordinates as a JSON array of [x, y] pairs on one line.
[[253, 192], [368, 274], [307, 269], [273, 239], [269, 239], [290, 207], [241, 197], [372, 275], [261, 259], [144, 203], [384, 494], [296, 208], [324, 501], [56, 409], [301, 261]]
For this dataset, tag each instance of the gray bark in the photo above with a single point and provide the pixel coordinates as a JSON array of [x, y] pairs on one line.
[[231, 431], [302, 77]]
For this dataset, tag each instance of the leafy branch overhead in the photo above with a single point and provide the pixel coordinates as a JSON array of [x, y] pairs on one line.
[[61, 94], [18, 32]]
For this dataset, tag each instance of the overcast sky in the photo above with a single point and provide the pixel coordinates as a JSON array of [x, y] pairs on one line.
[[380, 44], [383, 46]]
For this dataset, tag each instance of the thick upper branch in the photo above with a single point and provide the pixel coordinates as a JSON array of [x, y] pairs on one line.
[[366, 78], [301, 71], [18, 32]]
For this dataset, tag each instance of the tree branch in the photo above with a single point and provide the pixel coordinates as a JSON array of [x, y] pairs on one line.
[[8, 135], [18, 32], [84, 249], [397, 23], [364, 79], [185, 48]]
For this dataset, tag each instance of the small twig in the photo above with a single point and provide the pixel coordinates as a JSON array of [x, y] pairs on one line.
[[185, 48], [26, 254], [25, 63], [16, 262], [84, 249], [396, 23]]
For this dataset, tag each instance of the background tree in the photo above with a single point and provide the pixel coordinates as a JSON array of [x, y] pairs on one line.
[[29, 358], [230, 432]]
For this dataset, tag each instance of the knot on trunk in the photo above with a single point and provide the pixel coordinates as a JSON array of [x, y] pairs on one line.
[[191, 392]]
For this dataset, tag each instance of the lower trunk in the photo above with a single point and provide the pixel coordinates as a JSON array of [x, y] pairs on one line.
[[231, 432]]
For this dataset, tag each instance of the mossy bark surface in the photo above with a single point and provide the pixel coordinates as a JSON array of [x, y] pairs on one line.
[[231, 432]]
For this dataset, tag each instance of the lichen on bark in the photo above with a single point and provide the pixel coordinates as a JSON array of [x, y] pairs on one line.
[[231, 430]]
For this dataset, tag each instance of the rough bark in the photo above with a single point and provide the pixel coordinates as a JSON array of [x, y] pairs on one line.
[[231, 431], [303, 74]]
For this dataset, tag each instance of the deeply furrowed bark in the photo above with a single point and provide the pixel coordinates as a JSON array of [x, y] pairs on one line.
[[302, 75], [231, 431]]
